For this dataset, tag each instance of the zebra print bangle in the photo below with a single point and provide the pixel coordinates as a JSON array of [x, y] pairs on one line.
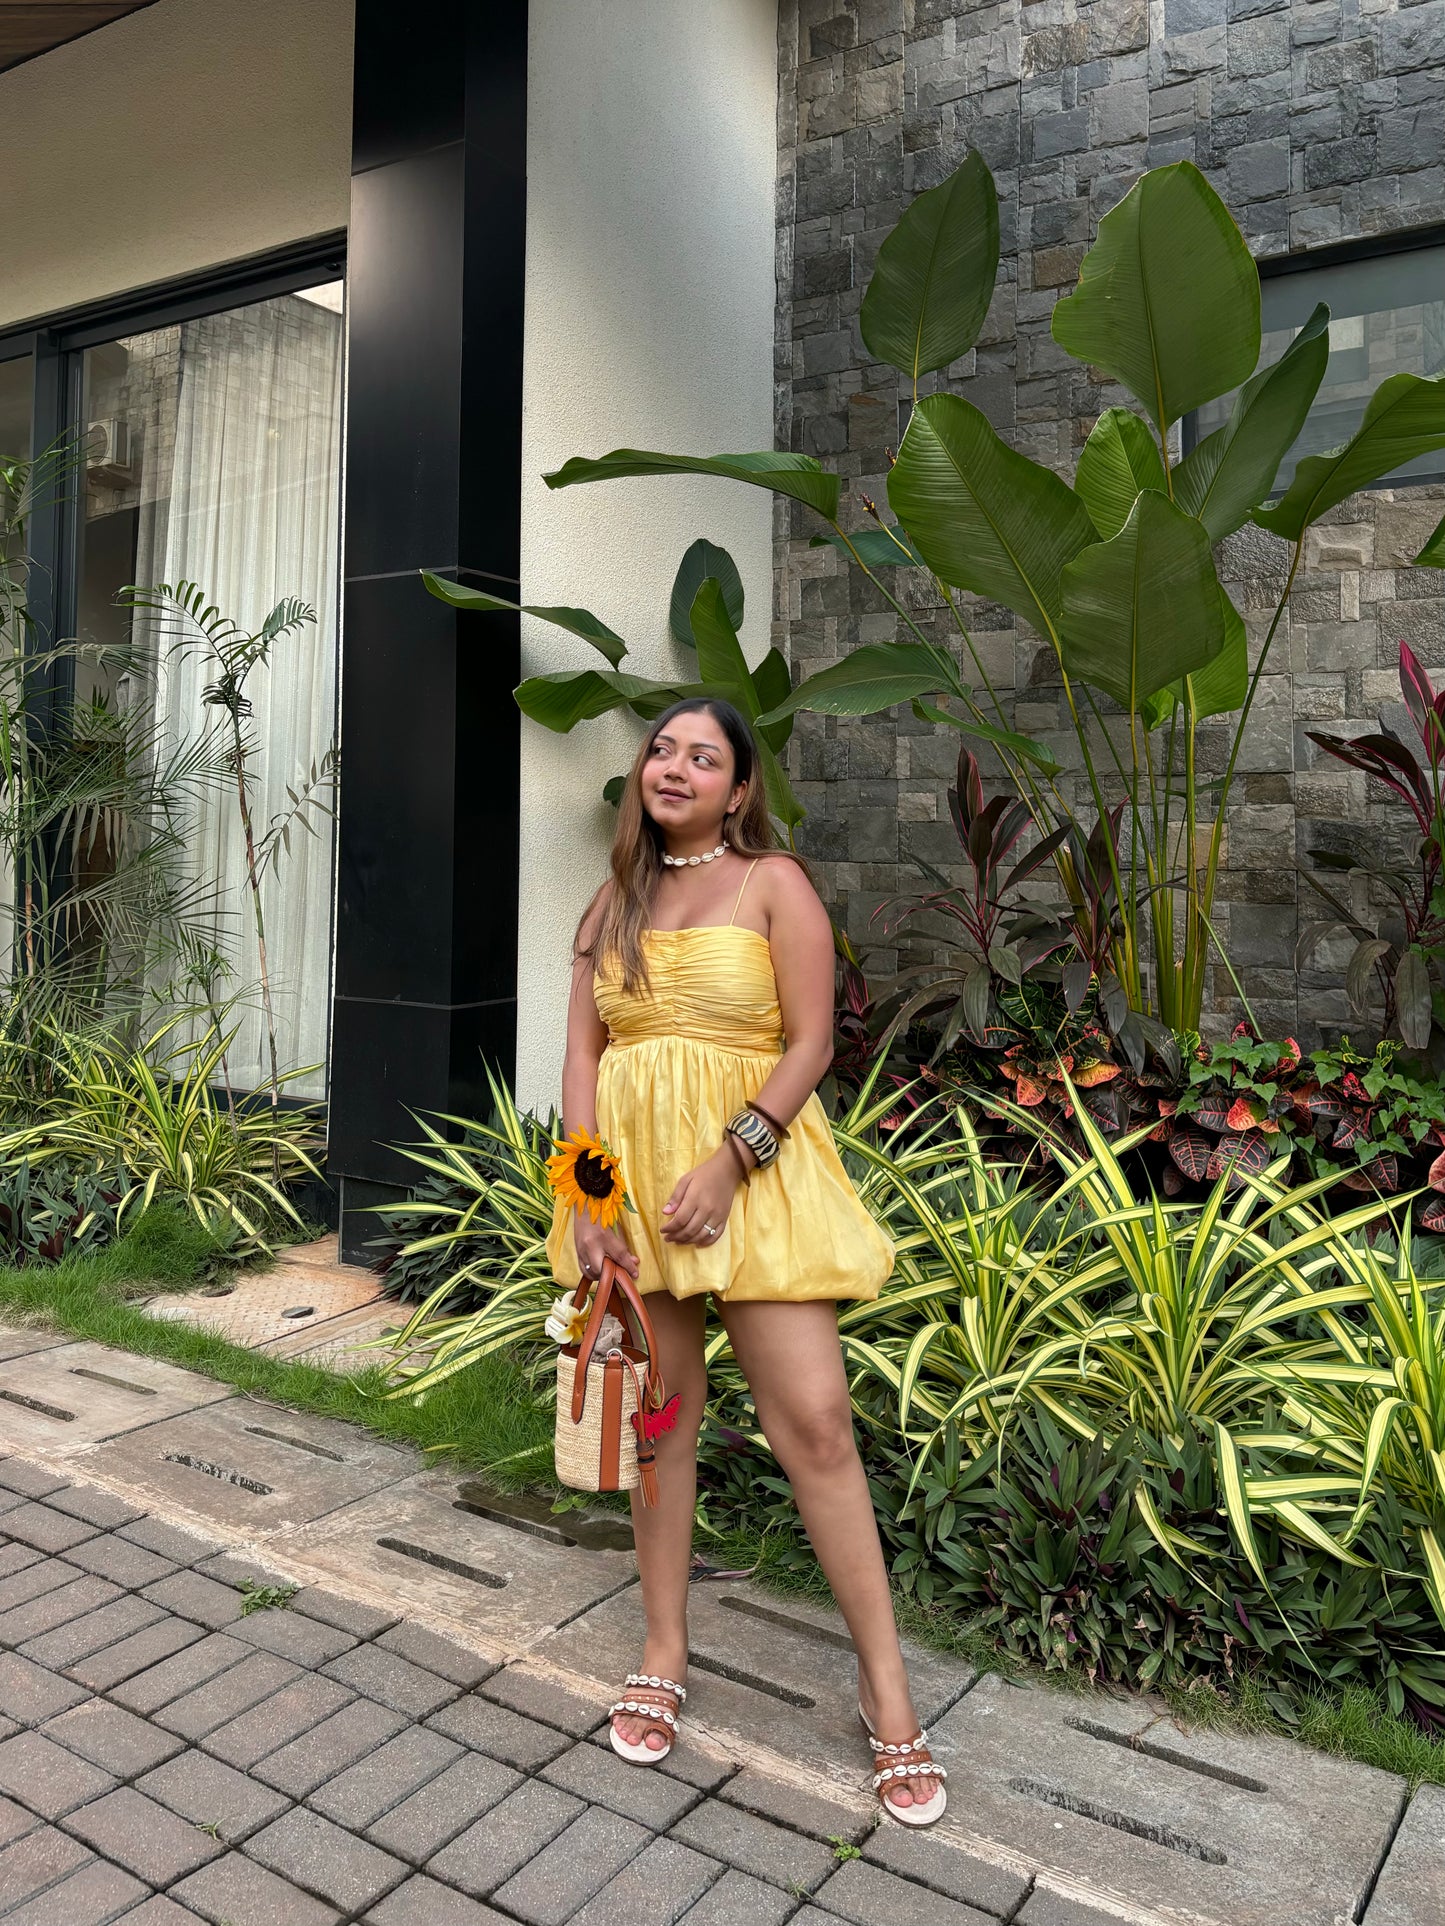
[[752, 1131]]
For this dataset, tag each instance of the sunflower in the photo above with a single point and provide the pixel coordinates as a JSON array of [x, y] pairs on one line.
[[585, 1173]]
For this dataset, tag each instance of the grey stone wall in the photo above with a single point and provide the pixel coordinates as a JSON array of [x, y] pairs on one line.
[[1318, 121]]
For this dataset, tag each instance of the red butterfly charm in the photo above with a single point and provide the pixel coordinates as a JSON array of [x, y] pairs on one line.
[[651, 1424]]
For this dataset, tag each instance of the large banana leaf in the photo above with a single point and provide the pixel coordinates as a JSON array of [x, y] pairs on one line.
[[1119, 459], [984, 517], [1233, 470], [1405, 417], [935, 274], [703, 559], [1168, 296], [564, 698], [1432, 555], [579, 622], [798, 476], [1219, 688], [1143, 610], [873, 547], [725, 672]]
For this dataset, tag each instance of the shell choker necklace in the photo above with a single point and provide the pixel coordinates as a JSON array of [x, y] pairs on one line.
[[691, 862]]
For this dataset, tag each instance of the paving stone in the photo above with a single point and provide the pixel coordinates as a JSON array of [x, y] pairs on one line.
[[566, 1873], [740, 1900], [332, 1746], [513, 1833], [161, 1684], [660, 1884], [208, 1792], [54, 1609], [122, 1660], [603, 1779], [286, 1716], [104, 1393], [46, 1530], [159, 1911], [90, 1897], [487, 1727], [801, 1811], [239, 1573], [326, 1860], [15, 1821], [35, 1574], [755, 1846], [437, 1654], [29, 1694], [16, 1558], [100, 1508], [866, 1894], [62, 1649], [143, 1837], [392, 1680], [441, 1810], [1046, 1908], [112, 1738], [1411, 1888], [947, 1868], [537, 1697], [47, 1778], [216, 1702], [305, 1641], [38, 1860], [189, 1595], [687, 1762], [387, 1776], [362, 1621], [30, 1480], [123, 1563], [169, 1541], [235, 1891], [423, 1902]]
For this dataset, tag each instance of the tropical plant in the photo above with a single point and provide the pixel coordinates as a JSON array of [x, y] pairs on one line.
[[48, 1212]]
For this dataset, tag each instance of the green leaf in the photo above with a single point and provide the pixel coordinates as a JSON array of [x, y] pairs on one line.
[[1231, 1480], [935, 274], [1404, 417], [772, 682], [702, 560], [874, 547], [1022, 746], [720, 660], [1119, 459], [1143, 610], [1220, 686], [580, 622], [797, 476], [568, 696], [781, 800], [867, 680], [1233, 470], [1412, 999], [612, 789], [1168, 296], [1432, 555], [983, 517]]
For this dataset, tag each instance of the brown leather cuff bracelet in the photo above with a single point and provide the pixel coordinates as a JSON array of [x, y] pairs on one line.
[[737, 1150], [778, 1130]]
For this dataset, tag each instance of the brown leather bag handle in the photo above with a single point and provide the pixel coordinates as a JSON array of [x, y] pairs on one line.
[[633, 1312]]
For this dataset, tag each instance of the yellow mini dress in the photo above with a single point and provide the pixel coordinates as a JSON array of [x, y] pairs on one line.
[[680, 1060]]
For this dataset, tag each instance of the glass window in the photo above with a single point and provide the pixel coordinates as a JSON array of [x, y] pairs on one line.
[[17, 387], [213, 457], [1387, 316]]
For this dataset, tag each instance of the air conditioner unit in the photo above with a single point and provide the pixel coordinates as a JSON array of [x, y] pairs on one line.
[[109, 454]]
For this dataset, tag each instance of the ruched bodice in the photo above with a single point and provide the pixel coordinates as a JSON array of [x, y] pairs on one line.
[[707, 985]]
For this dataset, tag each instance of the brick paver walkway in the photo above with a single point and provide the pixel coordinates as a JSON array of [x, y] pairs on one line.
[[166, 1759]]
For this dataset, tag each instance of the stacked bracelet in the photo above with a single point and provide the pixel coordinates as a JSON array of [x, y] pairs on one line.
[[750, 1129]]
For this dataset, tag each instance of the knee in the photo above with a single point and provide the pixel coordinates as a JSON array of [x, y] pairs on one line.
[[817, 1442]]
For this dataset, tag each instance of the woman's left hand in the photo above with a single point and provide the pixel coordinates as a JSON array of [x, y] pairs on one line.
[[701, 1200]]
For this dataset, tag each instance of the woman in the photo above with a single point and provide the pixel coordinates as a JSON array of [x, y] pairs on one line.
[[706, 949]]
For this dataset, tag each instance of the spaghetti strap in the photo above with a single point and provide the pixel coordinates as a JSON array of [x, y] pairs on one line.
[[737, 900]]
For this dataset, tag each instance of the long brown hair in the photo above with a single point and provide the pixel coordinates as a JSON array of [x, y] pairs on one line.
[[637, 844]]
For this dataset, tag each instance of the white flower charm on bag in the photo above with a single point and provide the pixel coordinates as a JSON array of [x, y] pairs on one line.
[[566, 1325]]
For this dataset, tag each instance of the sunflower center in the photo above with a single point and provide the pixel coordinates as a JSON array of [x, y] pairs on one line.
[[593, 1177]]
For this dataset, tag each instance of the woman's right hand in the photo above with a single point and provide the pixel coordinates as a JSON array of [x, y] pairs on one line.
[[593, 1243]]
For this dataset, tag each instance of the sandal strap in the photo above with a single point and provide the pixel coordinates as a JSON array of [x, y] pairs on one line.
[[679, 1692], [922, 1769], [918, 1743], [658, 1714]]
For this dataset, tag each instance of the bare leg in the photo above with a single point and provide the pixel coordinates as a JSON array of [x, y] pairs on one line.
[[794, 1365], [664, 1531]]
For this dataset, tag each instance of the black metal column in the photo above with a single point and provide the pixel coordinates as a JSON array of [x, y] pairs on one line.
[[427, 892]]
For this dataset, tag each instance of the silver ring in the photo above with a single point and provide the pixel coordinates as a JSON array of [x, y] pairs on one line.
[[711, 1229], [587, 1270]]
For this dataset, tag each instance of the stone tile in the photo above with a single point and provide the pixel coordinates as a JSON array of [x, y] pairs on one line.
[[422, 1902], [45, 1529], [207, 1792], [112, 1738], [392, 1680], [602, 1779], [326, 1860], [219, 1700], [235, 1891], [866, 1894], [435, 1815], [687, 1762], [29, 1480], [55, 1608], [227, 1569], [171, 1678], [487, 1727], [65, 1647], [660, 1883], [15, 1558], [99, 1508], [105, 1393], [305, 1641], [189, 1595], [1411, 1888], [537, 1697], [287, 1716], [38, 1860], [47, 1778], [128, 1656], [801, 1811], [754, 1846], [33, 1575], [387, 1776], [171, 1542], [145, 1838], [512, 1834], [332, 1746], [15, 1822], [123, 1563], [1045, 1908], [566, 1873], [947, 1868], [437, 1654], [740, 1900], [91, 1897], [159, 1911], [362, 1621], [29, 1694]]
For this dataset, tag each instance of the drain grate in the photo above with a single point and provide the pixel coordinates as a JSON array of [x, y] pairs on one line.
[[1082, 1808], [1167, 1755], [823, 1634], [296, 1444], [735, 1675], [456, 1566], [225, 1473], [494, 1515], [38, 1404], [119, 1384]]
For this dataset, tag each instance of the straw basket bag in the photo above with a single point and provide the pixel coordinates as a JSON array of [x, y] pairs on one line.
[[602, 1402]]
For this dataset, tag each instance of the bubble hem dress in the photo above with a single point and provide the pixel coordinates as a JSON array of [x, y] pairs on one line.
[[680, 1060]]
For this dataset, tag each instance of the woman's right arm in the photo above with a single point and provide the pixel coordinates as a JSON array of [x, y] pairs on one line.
[[586, 1040]]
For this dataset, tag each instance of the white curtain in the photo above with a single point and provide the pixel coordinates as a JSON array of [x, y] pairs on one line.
[[254, 516]]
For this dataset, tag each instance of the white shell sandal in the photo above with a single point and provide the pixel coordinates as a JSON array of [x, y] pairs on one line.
[[658, 1701], [911, 1760]]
